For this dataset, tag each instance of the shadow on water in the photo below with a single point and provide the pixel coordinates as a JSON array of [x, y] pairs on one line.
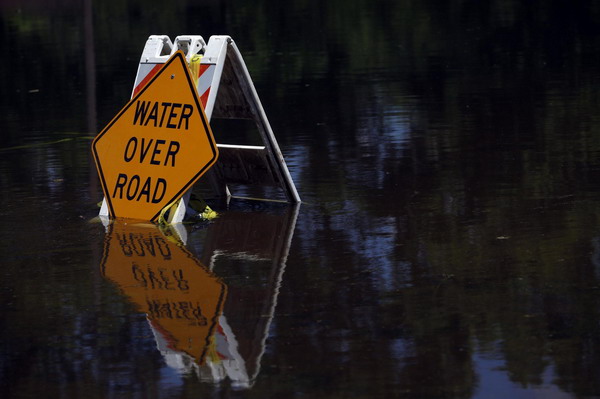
[[203, 326]]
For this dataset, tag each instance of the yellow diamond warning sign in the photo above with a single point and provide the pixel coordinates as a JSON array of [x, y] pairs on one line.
[[156, 147]]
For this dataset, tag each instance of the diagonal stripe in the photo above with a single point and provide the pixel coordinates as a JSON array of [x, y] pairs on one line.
[[146, 79], [204, 98], [203, 68], [206, 74]]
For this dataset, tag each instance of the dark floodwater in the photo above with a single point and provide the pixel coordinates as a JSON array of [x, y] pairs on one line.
[[448, 243]]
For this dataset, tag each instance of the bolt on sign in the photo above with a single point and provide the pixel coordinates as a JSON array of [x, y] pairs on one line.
[[181, 298], [156, 147]]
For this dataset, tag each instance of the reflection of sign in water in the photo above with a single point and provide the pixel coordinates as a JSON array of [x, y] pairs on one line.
[[182, 299], [196, 330]]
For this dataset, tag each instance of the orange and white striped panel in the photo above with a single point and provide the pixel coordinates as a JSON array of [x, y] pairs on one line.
[[205, 77], [145, 73]]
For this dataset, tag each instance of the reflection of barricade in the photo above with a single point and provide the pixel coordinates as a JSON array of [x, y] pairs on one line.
[[180, 296], [261, 246], [202, 324], [226, 91]]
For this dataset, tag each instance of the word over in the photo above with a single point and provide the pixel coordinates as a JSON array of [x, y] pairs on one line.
[[150, 151]]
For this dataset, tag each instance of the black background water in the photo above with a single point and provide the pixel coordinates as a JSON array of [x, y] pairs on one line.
[[448, 244]]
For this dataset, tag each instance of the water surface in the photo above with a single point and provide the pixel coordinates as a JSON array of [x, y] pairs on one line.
[[448, 243]]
